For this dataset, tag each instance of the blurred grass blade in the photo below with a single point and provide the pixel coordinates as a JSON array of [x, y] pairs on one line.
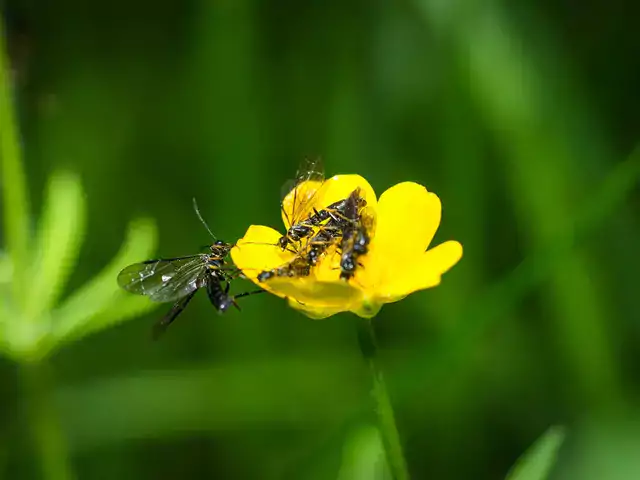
[[102, 292], [283, 393], [58, 243], [364, 456], [125, 306], [616, 188], [5, 270], [4, 456], [14, 188], [537, 462], [37, 381], [5, 292], [492, 305]]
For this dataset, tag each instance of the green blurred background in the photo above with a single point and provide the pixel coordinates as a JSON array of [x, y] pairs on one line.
[[521, 118]]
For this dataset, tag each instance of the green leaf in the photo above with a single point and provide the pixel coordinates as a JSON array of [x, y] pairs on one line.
[[364, 456], [536, 463], [14, 188], [60, 236], [125, 306], [102, 293], [5, 296]]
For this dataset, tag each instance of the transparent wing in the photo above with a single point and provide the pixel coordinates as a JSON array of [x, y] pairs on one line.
[[164, 280], [308, 170], [368, 220], [298, 193]]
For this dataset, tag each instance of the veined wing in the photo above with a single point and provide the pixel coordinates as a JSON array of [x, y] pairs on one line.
[[297, 194], [164, 280]]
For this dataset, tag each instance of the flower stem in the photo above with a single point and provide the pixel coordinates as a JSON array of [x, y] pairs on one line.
[[384, 409], [43, 419], [14, 198]]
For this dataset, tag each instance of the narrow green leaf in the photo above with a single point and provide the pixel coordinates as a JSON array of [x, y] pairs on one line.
[[364, 456], [536, 463], [37, 383], [58, 243], [5, 314], [5, 293], [14, 188], [5, 269], [125, 306], [102, 293]]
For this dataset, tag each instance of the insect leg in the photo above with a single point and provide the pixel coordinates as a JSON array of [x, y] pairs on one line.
[[164, 322], [244, 294]]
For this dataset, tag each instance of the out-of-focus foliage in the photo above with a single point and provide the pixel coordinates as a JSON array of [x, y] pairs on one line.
[[523, 120], [34, 324], [32, 321], [363, 456], [538, 461]]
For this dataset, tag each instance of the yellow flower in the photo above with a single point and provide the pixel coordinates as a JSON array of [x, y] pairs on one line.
[[397, 263]]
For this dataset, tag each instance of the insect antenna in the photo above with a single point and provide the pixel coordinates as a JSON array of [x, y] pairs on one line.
[[290, 249], [197, 210]]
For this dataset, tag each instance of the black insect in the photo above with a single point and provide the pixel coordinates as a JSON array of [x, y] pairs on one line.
[[298, 267], [333, 217], [331, 224], [337, 213], [178, 279], [320, 243], [356, 235], [328, 227], [309, 171]]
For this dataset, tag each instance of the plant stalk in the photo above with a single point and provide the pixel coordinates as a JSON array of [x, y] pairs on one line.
[[48, 439], [384, 409], [12, 177]]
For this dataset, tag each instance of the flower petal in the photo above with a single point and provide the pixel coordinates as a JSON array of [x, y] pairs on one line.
[[441, 258], [408, 217], [314, 293], [367, 309], [340, 187], [424, 271], [299, 202], [315, 313], [257, 251]]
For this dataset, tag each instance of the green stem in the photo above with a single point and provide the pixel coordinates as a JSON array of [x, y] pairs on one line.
[[43, 419], [384, 409], [14, 190]]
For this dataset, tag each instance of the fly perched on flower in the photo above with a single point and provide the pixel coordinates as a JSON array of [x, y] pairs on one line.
[[383, 258], [178, 279]]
